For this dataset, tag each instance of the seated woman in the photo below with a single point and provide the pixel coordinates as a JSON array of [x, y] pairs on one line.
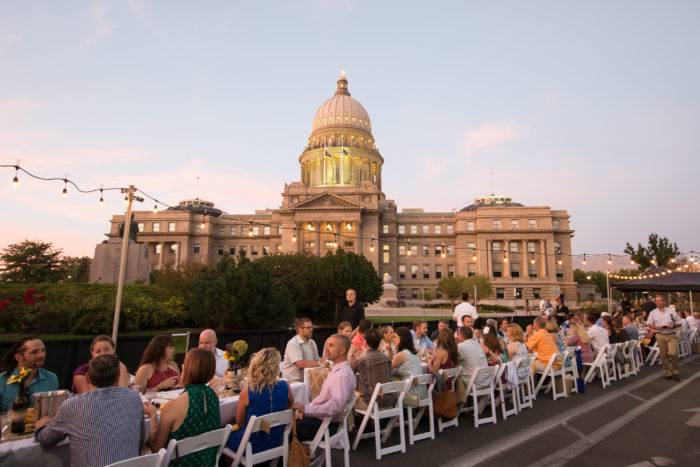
[[345, 328], [446, 356], [264, 393], [553, 329], [358, 345], [194, 412], [388, 344], [406, 364], [578, 337], [157, 370], [492, 347], [517, 350], [100, 345]]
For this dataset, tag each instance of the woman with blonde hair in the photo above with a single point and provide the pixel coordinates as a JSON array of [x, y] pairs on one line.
[[389, 341], [264, 393], [577, 336], [517, 350]]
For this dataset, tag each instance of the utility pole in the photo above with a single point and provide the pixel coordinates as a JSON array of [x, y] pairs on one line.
[[607, 284], [122, 261]]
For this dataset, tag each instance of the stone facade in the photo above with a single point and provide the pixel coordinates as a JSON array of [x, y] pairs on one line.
[[339, 203]]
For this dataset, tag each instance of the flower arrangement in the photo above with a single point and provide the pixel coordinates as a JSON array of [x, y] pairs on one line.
[[21, 375], [235, 351]]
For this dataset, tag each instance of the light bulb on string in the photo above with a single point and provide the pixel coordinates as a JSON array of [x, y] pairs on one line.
[[126, 200], [408, 252], [632, 262], [155, 208], [443, 254], [64, 193], [15, 179], [474, 256], [588, 277], [371, 244], [505, 258], [102, 200], [673, 260], [609, 259], [294, 236]]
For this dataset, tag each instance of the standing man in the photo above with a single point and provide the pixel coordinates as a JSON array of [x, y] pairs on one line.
[[464, 308], [301, 352], [665, 321], [353, 312], [207, 340]]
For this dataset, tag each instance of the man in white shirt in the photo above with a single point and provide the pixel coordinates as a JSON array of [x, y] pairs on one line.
[[464, 309], [207, 340], [599, 336], [301, 352], [664, 322]]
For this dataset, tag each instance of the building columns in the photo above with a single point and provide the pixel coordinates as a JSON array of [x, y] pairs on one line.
[[160, 257]]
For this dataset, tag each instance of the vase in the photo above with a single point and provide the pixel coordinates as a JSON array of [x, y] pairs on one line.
[[19, 410]]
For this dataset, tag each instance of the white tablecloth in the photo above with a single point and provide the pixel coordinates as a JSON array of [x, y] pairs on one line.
[[27, 453]]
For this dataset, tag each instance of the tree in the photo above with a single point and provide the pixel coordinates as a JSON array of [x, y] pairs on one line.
[[76, 269], [596, 277], [483, 285], [452, 287], [659, 248], [31, 262]]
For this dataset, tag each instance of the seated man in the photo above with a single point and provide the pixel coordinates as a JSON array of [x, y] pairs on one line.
[[301, 352], [29, 354], [336, 391], [420, 335], [467, 321], [442, 324], [599, 336], [631, 329], [374, 367], [104, 425], [539, 340], [207, 340], [471, 354]]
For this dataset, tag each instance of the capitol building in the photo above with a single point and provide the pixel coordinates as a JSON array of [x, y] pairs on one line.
[[338, 202]]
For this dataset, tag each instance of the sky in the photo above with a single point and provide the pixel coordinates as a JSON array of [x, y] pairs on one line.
[[593, 107]]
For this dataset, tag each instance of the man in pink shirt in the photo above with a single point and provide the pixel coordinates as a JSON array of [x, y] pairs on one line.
[[335, 392]]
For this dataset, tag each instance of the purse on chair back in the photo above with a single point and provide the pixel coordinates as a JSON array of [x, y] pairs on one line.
[[298, 452]]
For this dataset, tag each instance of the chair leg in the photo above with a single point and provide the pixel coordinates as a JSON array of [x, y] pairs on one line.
[[361, 430], [410, 426], [377, 439]]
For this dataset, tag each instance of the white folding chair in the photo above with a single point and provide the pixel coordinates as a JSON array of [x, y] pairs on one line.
[[421, 404], [598, 365], [637, 354], [245, 456], [149, 460], [211, 439], [610, 362], [376, 413], [450, 374], [324, 440], [483, 374], [624, 369], [554, 371], [654, 354], [684, 344], [506, 392]]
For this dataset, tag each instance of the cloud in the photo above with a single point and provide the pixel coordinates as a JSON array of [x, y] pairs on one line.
[[102, 26], [140, 11], [489, 136]]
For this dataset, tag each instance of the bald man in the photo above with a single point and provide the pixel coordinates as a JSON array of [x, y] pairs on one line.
[[207, 340]]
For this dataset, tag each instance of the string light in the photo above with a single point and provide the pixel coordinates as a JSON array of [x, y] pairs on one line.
[[250, 229], [408, 250], [609, 259], [126, 200], [474, 255], [294, 236], [443, 254], [64, 193], [15, 180], [505, 258], [532, 261], [584, 259], [155, 209], [102, 200], [632, 262], [371, 244]]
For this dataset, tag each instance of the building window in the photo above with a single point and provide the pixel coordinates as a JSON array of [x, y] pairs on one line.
[[471, 246], [532, 270], [514, 247], [244, 229], [560, 274], [266, 251], [497, 224], [171, 226], [500, 293], [514, 269], [232, 251], [195, 248], [426, 271], [438, 271], [450, 250], [220, 250], [309, 245], [495, 246], [471, 269], [386, 257], [438, 229], [329, 244], [555, 224], [402, 229], [278, 248], [156, 226], [414, 250], [385, 228], [470, 226], [497, 269], [158, 248], [530, 247], [518, 292], [141, 226], [242, 251], [173, 247], [402, 250], [426, 250], [514, 224], [266, 230], [414, 293], [450, 270], [221, 230], [232, 230], [279, 229], [425, 229], [450, 229], [532, 224], [536, 293], [414, 230], [254, 250], [349, 244], [438, 294], [438, 250], [255, 230], [414, 271], [557, 247], [402, 271]]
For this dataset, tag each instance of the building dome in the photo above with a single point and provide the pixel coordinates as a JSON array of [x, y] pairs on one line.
[[341, 110]]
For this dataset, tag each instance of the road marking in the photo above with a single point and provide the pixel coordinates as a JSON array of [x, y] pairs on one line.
[[636, 397], [569, 453], [695, 419], [573, 430], [507, 443]]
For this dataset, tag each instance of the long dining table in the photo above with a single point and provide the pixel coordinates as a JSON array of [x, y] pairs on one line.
[[28, 453]]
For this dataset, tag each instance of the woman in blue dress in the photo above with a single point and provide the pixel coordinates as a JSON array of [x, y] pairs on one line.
[[264, 393]]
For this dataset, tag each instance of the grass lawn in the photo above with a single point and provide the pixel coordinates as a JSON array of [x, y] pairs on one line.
[[401, 319]]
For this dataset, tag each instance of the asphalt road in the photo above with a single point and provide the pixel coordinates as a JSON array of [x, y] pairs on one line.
[[642, 421]]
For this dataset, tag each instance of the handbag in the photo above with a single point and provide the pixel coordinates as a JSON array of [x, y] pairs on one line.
[[445, 404], [298, 452]]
